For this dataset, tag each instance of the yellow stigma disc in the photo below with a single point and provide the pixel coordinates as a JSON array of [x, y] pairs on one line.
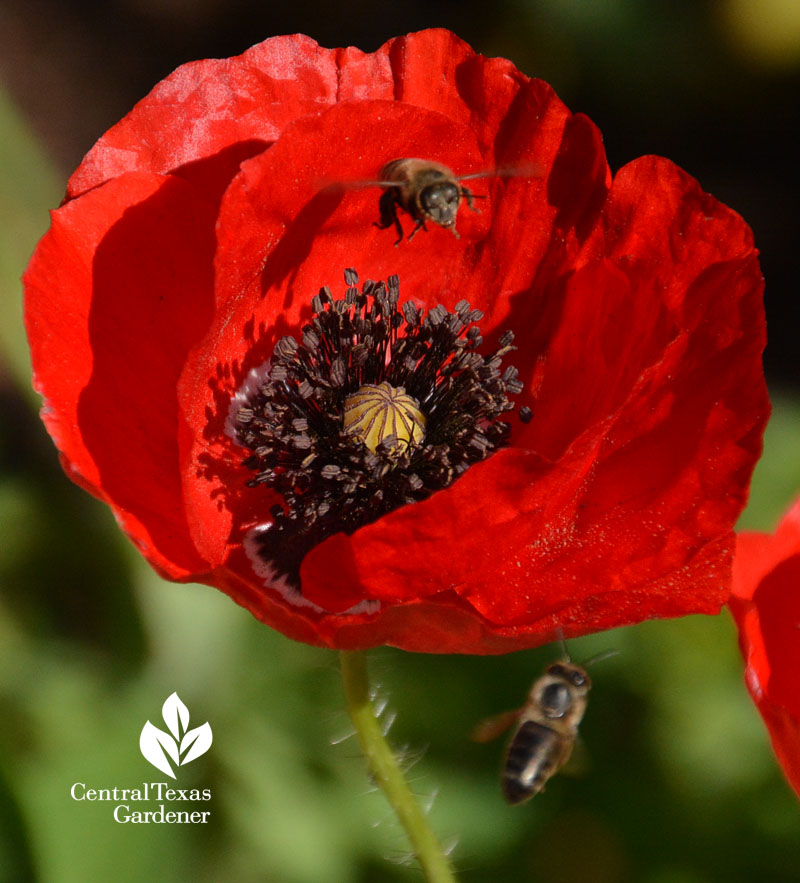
[[376, 412]]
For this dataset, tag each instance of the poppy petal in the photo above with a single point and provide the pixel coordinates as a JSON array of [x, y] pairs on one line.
[[766, 606], [116, 293]]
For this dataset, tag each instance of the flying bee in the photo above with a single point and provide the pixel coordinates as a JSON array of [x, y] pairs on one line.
[[427, 190], [546, 727]]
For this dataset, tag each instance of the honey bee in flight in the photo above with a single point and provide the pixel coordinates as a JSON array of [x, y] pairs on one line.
[[546, 727], [427, 190]]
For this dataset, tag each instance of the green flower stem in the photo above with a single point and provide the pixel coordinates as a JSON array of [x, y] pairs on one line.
[[385, 770]]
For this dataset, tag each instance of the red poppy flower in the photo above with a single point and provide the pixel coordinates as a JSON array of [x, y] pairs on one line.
[[196, 233], [766, 606]]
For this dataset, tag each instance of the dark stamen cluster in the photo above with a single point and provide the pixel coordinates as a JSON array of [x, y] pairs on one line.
[[329, 479]]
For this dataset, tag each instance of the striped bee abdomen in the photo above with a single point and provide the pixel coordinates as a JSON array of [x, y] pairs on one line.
[[533, 756]]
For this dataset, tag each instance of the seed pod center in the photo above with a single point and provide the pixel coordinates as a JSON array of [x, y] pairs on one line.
[[384, 413]]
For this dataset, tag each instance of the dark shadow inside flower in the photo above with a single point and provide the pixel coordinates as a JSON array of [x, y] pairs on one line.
[[219, 462], [295, 244], [212, 174], [152, 301], [579, 179]]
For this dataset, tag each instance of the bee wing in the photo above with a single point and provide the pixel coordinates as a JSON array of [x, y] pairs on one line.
[[599, 657], [521, 171], [492, 727], [532, 170], [577, 763], [337, 186]]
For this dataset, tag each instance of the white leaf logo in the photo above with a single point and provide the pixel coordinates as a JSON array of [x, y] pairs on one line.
[[182, 746]]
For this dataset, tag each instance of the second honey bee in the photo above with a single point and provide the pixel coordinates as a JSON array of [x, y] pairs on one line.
[[427, 190], [546, 727]]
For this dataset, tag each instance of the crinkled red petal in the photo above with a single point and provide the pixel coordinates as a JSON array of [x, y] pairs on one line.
[[766, 606], [210, 115]]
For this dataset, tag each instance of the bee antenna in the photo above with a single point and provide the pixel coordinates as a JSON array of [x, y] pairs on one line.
[[563, 643], [599, 657]]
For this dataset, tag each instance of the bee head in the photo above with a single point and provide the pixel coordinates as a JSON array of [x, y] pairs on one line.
[[563, 683], [440, 201], [571, 674]]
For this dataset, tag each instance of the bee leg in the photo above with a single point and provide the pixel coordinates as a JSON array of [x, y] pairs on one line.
[[420, 226], [470, 197], [387, 206]]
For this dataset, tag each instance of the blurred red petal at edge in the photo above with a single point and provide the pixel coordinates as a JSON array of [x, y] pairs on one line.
[[766, 606]]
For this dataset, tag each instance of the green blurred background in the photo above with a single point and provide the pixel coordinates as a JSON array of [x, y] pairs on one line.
[[679, 785]]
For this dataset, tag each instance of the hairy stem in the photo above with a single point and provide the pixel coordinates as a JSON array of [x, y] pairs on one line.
[[385, 770]]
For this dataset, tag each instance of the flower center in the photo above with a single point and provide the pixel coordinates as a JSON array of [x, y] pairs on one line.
[[384, 414], [377, 407]]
